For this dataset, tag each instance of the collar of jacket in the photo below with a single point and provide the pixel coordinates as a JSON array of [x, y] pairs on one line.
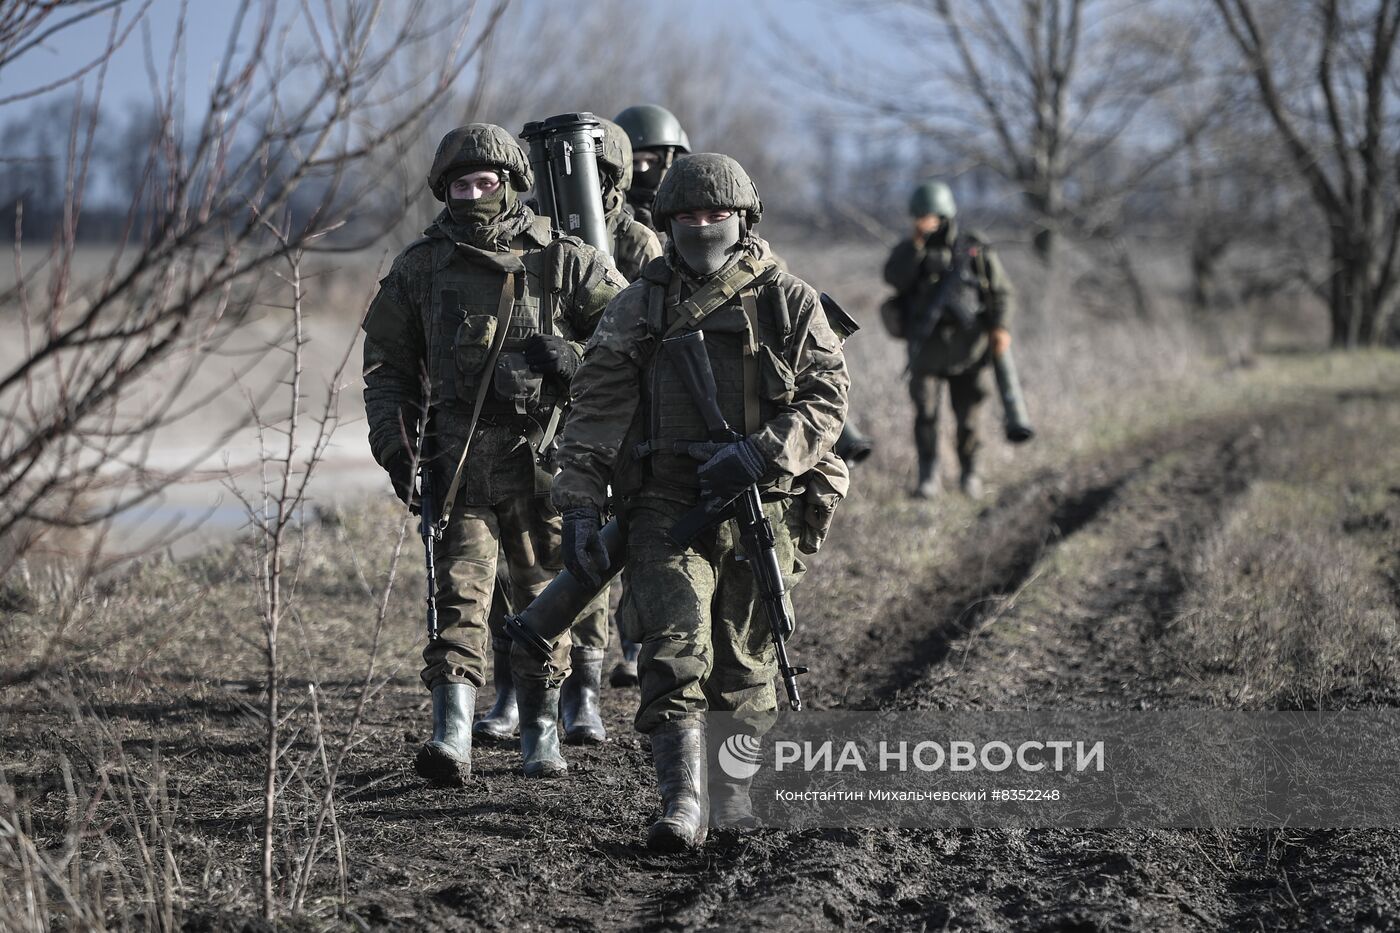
[[533, 230], [616, 211], [499, 236]]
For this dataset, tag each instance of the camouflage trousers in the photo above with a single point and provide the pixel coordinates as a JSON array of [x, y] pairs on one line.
[[525, 530], [705, 640], [966, 393], [590, 629]]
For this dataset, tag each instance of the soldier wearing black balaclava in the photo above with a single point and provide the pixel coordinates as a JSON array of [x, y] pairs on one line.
[[657, 141]]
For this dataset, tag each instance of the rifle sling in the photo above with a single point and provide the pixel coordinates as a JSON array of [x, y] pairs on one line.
[[718, 291], [505, 308]]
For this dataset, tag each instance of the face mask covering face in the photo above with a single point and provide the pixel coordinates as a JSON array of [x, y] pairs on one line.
[[706, 249], [471, 212]]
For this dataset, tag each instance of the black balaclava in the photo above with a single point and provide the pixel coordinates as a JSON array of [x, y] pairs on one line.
[[706, 249], [644, 184]]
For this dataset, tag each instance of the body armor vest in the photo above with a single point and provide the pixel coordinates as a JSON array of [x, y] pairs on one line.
[[671, 412], [466, 296]]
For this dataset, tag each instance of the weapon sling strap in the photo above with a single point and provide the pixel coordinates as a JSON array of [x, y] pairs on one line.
[[749, 298], [505, 308], [718, 291]]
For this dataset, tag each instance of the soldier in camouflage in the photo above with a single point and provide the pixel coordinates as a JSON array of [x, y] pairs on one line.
[[633, 246], [953, 325], [657, 140], [780, 374], [488, 305]]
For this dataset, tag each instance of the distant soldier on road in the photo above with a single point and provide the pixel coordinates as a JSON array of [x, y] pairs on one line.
[[491, 308], [657, 141], [953, 305], [780, 377]]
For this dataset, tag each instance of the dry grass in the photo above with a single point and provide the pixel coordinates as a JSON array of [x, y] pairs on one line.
[[97, 830], [1294, 600]]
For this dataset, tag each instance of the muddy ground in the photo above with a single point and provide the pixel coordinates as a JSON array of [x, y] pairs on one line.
[[1103, 581]]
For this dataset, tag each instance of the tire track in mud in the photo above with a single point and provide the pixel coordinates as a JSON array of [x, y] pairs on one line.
[[1168, 494]]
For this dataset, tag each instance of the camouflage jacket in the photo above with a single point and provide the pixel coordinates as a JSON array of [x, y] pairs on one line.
[[403, 316], [615, 389], [633, 242], [914, 272]]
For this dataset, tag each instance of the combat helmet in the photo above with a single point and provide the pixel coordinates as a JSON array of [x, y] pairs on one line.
[[706, 181], [616, 159], [650, 127], [483, 144], [933, 197]]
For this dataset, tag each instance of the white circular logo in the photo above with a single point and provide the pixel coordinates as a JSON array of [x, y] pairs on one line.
[[740, 756]]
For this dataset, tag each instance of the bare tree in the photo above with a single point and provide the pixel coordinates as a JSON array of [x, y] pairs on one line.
[[305, 98], [1340, 127], [1049, 94]]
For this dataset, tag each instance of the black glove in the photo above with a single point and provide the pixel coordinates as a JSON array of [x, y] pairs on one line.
[[732, 468], [400, 469], [549, 355], [584, 554]]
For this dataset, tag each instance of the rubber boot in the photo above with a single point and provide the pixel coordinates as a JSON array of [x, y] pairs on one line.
[[445, 760], [498, 725], [678, 749], [578, 698], [928, 487], [624, 672], [539, 730], [731, 807]]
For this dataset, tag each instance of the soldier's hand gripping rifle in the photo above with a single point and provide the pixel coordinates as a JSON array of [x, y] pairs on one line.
[[688, 354]]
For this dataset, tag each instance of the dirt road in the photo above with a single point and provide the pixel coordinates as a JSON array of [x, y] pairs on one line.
[[1105, 582]]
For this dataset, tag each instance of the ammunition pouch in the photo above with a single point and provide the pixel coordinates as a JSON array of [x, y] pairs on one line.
[[515, 385], [471, 347]]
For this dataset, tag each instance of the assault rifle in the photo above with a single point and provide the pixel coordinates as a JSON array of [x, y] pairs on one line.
[[688, 354]]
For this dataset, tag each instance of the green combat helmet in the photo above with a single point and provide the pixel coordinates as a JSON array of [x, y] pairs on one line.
[[933, 197], [616, 160], [707, 181], [483, 144], [651, 127]]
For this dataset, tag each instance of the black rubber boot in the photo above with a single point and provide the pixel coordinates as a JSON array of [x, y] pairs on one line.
[[624, 672], [578, 698], [539, 729], [678, 749], [498, 725], [445, 760]]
